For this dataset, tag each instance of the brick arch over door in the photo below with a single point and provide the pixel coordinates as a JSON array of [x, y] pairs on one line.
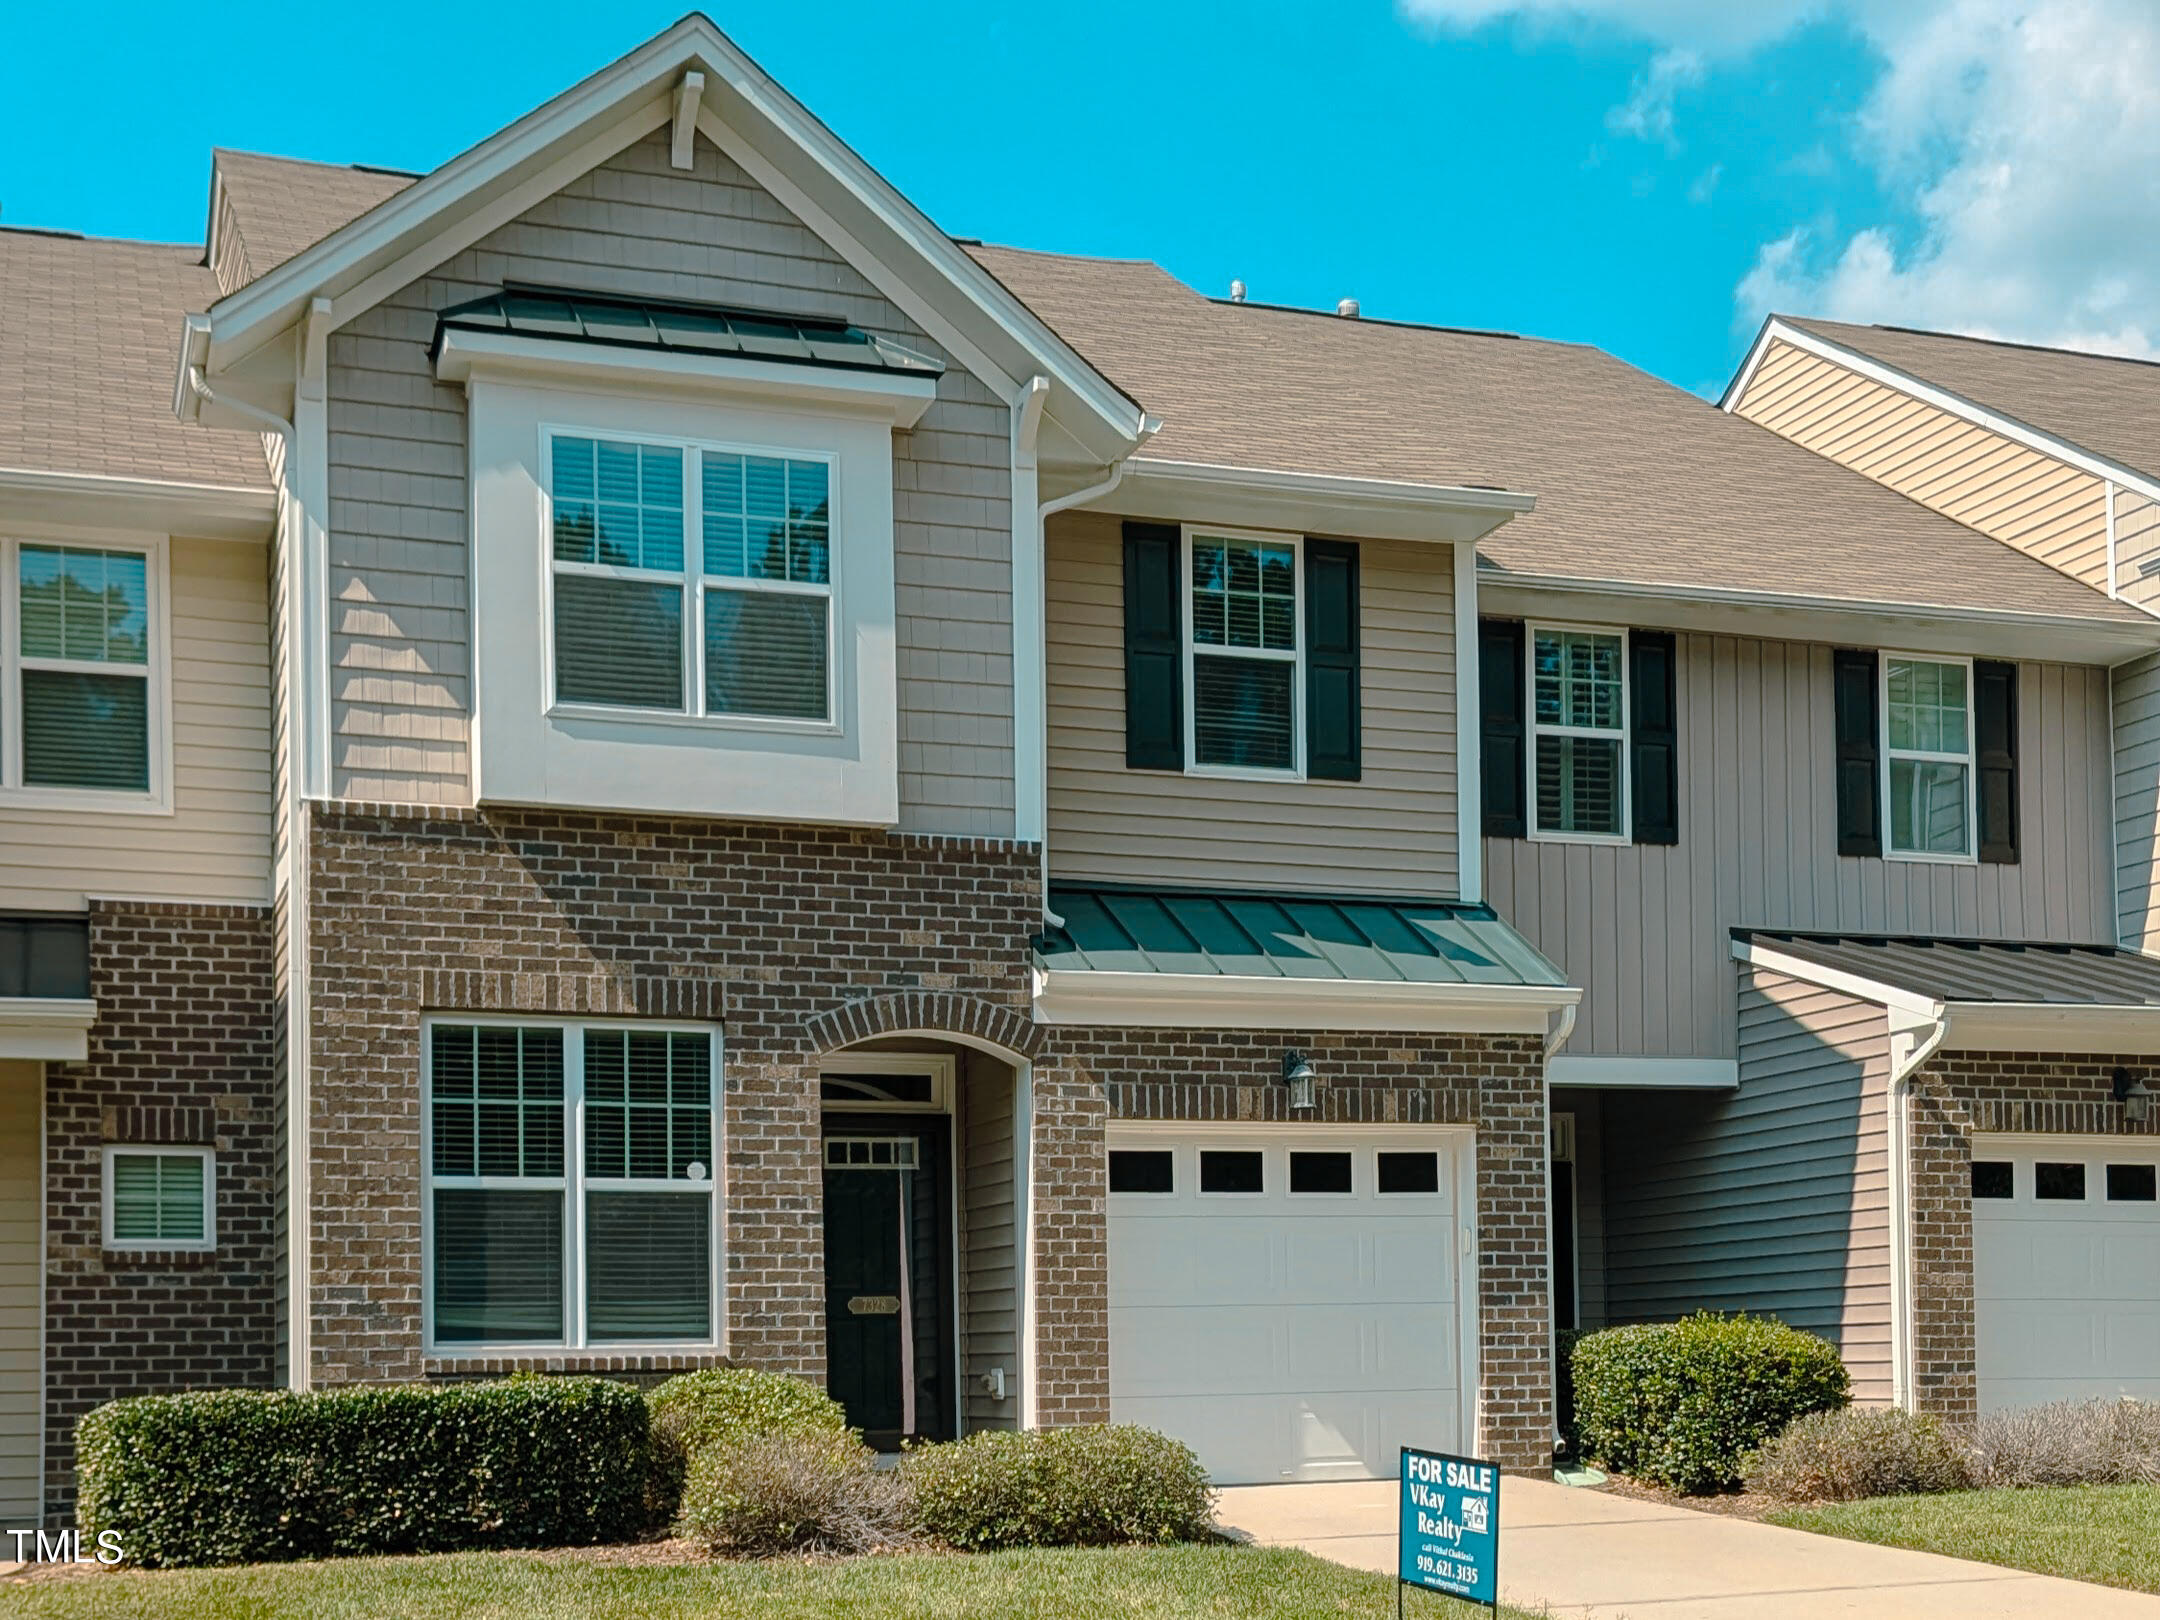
[[924, 1012]]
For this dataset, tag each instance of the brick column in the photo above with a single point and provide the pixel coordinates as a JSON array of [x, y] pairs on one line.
[[1944, 1363], [1067, 1209], [1515, 1379]]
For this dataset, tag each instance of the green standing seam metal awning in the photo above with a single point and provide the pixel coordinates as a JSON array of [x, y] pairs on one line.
[[564, 315], [1115, 929]]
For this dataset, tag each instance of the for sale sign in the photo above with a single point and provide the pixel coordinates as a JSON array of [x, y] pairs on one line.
[[1449, 1540]]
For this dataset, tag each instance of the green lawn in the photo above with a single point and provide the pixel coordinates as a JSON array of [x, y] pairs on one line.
[[1151, 1583], [2104, 1533]]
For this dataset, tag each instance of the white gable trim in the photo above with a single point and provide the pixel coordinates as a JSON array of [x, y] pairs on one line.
[[399, 238], [1776, 329]]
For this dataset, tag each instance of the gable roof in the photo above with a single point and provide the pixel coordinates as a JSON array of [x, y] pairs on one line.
[[283, 206], [1637, 482], [2106, 405], [86, 347]]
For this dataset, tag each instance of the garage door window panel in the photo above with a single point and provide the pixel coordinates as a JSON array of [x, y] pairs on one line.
[[1408, 1174], [1143, 1170], [2058, 1182], [1994, 1178], [1238, 1173], [2132, 1183], [1320, 1174]]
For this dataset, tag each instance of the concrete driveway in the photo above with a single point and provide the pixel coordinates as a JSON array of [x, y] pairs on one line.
[[1584, 1555]]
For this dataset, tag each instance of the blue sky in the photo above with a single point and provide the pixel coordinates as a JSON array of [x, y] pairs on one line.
[[1560, 167]]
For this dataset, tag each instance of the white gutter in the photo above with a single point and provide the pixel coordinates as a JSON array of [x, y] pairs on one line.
[[1910, 1048]]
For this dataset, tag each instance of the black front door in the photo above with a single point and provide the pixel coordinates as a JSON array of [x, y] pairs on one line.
[[888, 1284]]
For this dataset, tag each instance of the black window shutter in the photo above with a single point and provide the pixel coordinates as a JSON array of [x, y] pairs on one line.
[[1154, 650], [1333, 751], [1859, 783], [1995, 731], [1504, 762], [1654, 736]]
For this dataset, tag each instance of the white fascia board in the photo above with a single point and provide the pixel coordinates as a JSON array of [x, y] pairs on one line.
[[1772, 960], [159, 506], [46, 1029], [2009, 1026], [1914, 627], [1645, 1073], [897, 397], [1262, 497], [1225, 1001], [1776, 329]]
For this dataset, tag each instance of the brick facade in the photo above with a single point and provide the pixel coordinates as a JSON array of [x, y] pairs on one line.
[[180, 1053], [799, 941], [1958, 1095]]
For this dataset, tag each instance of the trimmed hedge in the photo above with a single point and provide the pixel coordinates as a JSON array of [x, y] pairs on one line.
[[246, 1476], [1683, 1404], [1101, 1485], [724, 1406]]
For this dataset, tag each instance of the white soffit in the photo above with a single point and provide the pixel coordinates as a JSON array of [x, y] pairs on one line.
[[1645, 1073], [1221, 1001], [46, 1029], [1264, 498]]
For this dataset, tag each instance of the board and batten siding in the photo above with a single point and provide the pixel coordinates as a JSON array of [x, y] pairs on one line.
[[989, 1244], [400, 638], [2136, 687], [216, 843], [2045, 507], [22, 1088], [1644, 928], [1392, 832], [1772, 1199]]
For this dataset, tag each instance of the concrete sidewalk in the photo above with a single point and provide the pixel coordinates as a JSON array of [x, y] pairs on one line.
[[1584, 1555]]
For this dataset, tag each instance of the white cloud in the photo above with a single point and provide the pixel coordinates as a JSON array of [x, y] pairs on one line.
[[1647, 114], [2023, 137], [1705, 186]]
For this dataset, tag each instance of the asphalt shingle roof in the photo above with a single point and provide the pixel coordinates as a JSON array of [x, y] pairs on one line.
[[1636, 481], [89, 337], [285, 205], [2105, 405]]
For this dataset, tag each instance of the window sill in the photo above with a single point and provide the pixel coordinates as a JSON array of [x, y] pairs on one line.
[[87, 801], [1244, 773], [1610, 840], [443, 1361], [160, 1248], [1924, 858], [749, 725]]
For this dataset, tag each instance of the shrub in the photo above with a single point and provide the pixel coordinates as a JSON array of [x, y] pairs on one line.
[[807, 1492], [721, 1405], [1095, 1486], [1840, 1456], [241, 1476], [2095, 1442], [1681, 1404]]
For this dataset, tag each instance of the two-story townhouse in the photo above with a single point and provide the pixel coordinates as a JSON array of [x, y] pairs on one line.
[[646, 958], [2019, 1116], [1743, 719]]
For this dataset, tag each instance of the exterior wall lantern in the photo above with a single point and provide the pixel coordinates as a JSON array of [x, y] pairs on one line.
[[1297, 1073], [2135, 1096]]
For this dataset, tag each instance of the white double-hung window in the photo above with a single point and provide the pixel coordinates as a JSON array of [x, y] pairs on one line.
[[82, 723], [1928, 775], [572, 1198], [1579, 731], [691, 579], [1245, 656]]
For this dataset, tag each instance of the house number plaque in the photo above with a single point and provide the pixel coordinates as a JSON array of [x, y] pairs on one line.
[[874, 1305]]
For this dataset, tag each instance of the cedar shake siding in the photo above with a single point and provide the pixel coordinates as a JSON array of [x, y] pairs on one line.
[[400, 638], [1771, 1199], [2046, 508], [1392, 831], [180, 1054], [1643, 928]]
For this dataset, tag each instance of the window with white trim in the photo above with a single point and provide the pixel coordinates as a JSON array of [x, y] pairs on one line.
[[82, 672], [1579, 732], [1244, 651], [160, 1198], [571, 1193], [1928, 776], [691, 579]]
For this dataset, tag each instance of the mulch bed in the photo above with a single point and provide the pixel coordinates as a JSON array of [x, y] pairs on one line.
[[1731, 1504]]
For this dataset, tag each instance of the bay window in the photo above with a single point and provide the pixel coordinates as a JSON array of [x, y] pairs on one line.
[[571, 1185], [82, 724], [691, 579], [1578, 724], [1928, 772]]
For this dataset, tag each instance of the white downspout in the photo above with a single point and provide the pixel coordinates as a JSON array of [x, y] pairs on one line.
[[1918, 1044]]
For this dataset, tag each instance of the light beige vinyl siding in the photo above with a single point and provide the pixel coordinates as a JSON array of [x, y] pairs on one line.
[[1644, 929], [216, 843], [2137, 549], [989, 1264], [2045, 507], [21, 1304], [401, 682], [1771, 1199], [2137, 802], [1392, 832]]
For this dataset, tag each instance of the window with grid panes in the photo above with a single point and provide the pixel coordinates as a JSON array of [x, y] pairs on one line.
[[1243, 612]]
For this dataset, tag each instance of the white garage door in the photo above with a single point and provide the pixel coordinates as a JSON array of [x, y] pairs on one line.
[[1287, 1301], [2066, 1268]]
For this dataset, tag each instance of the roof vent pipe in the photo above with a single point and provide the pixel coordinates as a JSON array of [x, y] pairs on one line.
[[1237, 292], [1346, 308]]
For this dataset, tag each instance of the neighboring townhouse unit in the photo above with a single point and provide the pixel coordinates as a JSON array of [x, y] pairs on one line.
[[623, 755]]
